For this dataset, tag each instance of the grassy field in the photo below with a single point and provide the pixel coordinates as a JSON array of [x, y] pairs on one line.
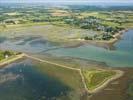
[[68, 23], [62, 25], [94, 13], [94, 78], [59, 12], [50, 32], [130, 90]]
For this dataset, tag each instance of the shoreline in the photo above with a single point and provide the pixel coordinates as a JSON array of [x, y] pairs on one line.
[[103, 42], [10, 60], [118, 74], [100, 43]]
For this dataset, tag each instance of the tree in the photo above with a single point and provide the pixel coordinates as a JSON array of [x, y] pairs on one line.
[[7, 53], [87, 38]]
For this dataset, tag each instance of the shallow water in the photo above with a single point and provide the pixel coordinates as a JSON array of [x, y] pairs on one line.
[[23, 81], [27, 44], [120, 57], [126, 43]]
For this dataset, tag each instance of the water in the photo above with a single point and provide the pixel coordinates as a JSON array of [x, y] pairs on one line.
[[23, 81], [122, 56], [2, 39], [126, 43], [28, 44], [26, 81]]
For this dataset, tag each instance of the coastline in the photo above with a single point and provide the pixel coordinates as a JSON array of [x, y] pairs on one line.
[[10, 60], [118, 74], [102, 42]]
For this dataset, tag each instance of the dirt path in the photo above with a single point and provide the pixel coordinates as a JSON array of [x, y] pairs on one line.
[[10, 60]]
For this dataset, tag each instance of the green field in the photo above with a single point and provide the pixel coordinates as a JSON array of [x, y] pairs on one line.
[[67, 24], [94, 78], [52, 33]]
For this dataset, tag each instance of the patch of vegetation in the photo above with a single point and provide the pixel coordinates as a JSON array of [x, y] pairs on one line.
[[130, 90], [95, 78], [105, 27], [6, 54], [104, 36]]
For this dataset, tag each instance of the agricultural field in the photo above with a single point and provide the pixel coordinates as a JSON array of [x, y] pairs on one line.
[[103, 24]]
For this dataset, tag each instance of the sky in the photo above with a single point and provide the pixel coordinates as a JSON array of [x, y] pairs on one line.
[[76, 1]]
